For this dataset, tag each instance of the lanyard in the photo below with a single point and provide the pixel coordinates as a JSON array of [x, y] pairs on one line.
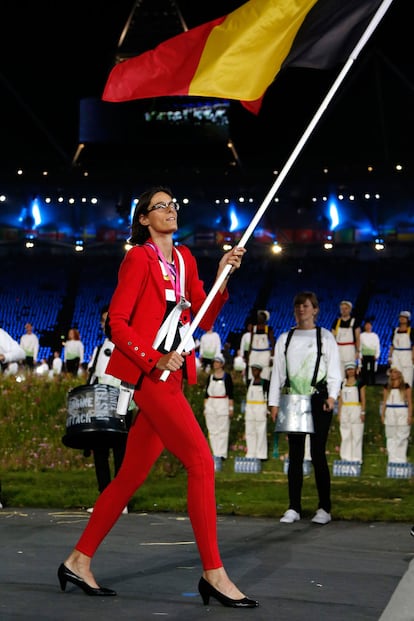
[[171, 271], [169, 327]]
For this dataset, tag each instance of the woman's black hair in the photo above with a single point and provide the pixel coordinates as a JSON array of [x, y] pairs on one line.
[[139, 232]]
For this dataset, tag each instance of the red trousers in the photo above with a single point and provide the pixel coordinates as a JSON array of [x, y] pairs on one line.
[[165, 420]]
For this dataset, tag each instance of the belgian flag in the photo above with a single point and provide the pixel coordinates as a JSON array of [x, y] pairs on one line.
[[238, 56]]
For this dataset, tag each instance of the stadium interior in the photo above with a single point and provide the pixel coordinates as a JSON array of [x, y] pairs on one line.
[[341, 224]]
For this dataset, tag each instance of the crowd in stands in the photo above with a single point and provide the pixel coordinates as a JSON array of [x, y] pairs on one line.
[[56, 294]]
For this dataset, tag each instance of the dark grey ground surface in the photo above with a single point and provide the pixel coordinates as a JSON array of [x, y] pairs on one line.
[[345, 571]]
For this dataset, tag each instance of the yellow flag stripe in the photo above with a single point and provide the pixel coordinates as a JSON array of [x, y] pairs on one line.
[[244, 53]]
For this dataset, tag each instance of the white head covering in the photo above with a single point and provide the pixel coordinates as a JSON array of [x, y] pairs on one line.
[[350, 365], [265, 313], [219, 358]]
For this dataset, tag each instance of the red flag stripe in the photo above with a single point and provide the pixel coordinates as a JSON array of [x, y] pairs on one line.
[[144, 76]]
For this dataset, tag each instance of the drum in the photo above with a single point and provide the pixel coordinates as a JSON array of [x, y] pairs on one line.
[[295, 414], [92, 421]]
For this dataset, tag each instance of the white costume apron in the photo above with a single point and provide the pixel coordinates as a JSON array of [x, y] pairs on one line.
[[256, 422], [402, 355], [397, 429], [216, 411], [351, 425], [260, 353], [346, 344]]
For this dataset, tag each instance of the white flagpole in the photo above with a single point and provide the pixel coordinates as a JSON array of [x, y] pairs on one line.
[[383, 8]]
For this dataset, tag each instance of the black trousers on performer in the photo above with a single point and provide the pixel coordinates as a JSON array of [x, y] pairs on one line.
[[368, 370], [322, 422], [101, 458], [29, 362], [102, 464], [72, 366]]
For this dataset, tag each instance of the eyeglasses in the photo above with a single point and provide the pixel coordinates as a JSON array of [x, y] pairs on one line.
[[170, 205]]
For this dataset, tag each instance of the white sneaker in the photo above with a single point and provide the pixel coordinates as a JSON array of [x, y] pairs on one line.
[[90, 510], [290, 516], [321, 517], [1, 506]]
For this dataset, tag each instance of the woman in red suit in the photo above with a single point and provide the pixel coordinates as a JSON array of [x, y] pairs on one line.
[[148, 315]]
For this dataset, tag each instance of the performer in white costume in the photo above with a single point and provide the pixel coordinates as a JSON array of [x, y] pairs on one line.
[[256, 414], [346, 332], [218, 407], [397, 416], [351, 415], [306, 362], [262, 344], [402, 347]]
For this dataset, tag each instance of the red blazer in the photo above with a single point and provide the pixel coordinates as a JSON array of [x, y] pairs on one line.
[[138, 307]]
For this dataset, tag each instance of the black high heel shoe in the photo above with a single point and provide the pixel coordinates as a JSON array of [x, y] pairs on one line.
[[206, 591], [65, 575]]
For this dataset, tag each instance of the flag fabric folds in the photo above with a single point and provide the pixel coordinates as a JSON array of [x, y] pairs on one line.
[[239, 55], [330, 32]]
